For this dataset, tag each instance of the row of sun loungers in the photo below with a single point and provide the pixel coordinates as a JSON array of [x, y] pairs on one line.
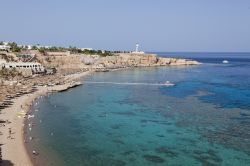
[[8, 99]]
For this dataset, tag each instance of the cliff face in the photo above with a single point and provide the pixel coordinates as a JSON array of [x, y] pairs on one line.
[[75, 62], [176, 62], [139, 60]]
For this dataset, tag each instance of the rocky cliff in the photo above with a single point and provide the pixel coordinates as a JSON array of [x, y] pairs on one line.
[[78, 62], [138, 60]]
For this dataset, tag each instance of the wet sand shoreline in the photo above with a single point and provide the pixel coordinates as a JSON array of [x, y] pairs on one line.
[[15, 148], [31, 140]]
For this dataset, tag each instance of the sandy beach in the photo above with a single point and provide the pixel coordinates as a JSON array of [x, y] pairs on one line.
[[12, 133]]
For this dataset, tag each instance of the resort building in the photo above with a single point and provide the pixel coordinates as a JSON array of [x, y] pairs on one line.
[[24, 67], [28, 47], [21, 65], [89, 49], [46, 47], [4, 48]]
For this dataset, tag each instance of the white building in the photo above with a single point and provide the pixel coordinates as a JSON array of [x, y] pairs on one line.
[[137, 50], [46, 47], [29, 47], [33, 67], [89, 49], [4, 48]]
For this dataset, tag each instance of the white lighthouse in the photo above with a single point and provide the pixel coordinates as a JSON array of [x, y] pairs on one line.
[[137, 50], [137, 47]]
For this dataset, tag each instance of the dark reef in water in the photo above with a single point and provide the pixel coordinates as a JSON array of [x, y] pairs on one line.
[[155, 121], [116, 126], [126, 153], [118, 141], [154, 159], [126, 113], [92, 157], [104, 162], [207, 158], [234, 136], [160, 135], [166, 151]]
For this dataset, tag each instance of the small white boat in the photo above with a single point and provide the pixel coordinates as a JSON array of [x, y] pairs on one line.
[[31, 116], [168, 83], [225, 61]]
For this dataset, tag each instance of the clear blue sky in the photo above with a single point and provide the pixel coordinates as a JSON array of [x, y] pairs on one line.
[[158, 25]]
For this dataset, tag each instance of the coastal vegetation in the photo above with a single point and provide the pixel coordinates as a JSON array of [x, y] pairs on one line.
[[50, 49], [90, 52], [75, 50], [14, 47]]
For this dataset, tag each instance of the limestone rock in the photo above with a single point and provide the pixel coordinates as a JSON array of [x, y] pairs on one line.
[[140, 60]]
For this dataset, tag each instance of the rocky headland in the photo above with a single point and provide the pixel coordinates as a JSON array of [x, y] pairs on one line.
[[134, 60]]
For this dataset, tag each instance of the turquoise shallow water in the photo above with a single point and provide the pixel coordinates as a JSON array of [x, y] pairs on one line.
[[203, 120]]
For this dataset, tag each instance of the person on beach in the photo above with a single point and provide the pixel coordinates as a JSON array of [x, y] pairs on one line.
[[34, 153], [9, 133]]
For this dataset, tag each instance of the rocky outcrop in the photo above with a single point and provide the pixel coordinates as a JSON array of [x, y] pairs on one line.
[[176, 62], [75, 62], [139, 60]]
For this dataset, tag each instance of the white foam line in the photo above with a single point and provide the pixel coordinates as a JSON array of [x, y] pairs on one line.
[[127, 83]]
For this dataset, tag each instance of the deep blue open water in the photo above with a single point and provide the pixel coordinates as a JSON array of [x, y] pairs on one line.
[[203, 120]]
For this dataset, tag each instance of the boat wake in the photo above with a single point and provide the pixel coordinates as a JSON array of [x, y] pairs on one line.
[[131, 83]]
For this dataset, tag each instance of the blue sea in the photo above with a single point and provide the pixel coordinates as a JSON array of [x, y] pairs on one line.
[[204, 120]]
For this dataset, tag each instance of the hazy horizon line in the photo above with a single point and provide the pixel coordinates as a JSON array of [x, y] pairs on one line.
[[175, 51]]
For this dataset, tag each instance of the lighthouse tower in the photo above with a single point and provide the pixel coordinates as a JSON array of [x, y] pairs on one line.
[[137, 48]]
